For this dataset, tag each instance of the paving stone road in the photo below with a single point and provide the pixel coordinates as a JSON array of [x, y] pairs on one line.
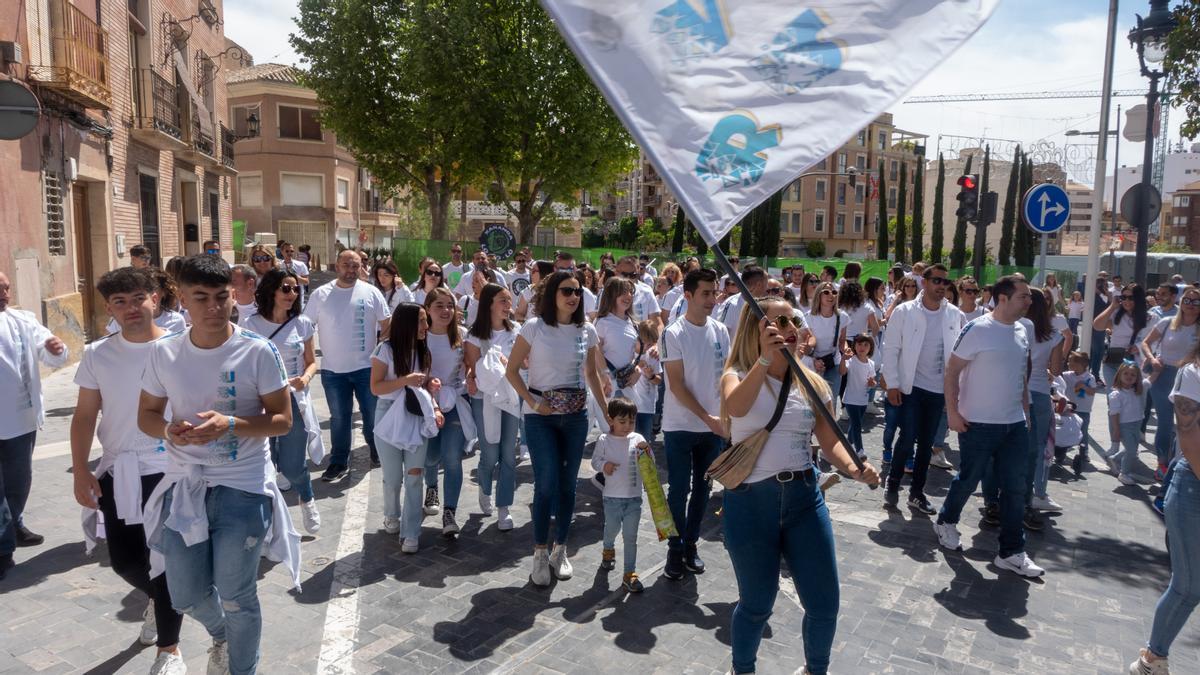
[[466, 606]]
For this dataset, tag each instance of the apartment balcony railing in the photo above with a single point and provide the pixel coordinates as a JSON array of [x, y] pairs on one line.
[[79, 67], [652, 200], [202, 142], [228, 139], [158, 120]]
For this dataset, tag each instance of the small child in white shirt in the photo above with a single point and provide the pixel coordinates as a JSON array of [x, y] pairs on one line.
[[1126, 403], [1080, 387], [615, 456]]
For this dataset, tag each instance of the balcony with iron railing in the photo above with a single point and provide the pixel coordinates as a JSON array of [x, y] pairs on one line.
[[157, 117], [228, 139], [79, 67], [201, 142]]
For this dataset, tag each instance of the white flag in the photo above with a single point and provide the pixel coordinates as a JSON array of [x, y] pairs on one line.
[[733, 99]]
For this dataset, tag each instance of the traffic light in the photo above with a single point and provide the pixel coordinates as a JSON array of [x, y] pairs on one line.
[[968, 197], [988, 205]]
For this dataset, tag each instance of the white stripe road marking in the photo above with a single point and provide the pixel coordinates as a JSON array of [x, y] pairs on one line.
[[341, 613]]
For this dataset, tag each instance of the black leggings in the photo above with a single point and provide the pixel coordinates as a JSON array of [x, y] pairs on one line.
[[131, 559]]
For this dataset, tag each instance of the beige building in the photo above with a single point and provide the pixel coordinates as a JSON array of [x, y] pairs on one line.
[[132, 146], [1183, 226]]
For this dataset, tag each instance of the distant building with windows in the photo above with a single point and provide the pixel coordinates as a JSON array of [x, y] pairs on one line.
[[1183, 225]]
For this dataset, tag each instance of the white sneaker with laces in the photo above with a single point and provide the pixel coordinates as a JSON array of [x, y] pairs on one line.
[[938, 459], [948, 536], [485, 503], [149, 634], [168, 663], [218, 658], [540, 575], [504, 521], [312, 518], [391, 525], [1126, 479], [282, 482], [410, 545], [560, 564], [1021, 564], [1143, 666], [1045, 504]]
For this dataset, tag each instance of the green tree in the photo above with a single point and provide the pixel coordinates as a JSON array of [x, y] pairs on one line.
[[980, 247], [1008, 222], [918, 217], [958, 250], [768, 225], [1182, 65], [678, 231], [883, 244], [746, 243], [936, 233], [627, 231], [1025, 242], [901, 220]]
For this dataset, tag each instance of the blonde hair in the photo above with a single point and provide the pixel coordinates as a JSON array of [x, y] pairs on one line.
[[1137, 380], [745, 351], [815, 301], [1177, 321]]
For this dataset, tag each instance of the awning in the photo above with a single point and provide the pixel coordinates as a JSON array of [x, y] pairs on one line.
[[185, 76]]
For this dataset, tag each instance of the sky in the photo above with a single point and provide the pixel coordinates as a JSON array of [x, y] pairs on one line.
[[1027, 45]]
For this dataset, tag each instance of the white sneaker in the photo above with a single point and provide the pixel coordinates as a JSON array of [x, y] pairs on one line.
[[938, 459], [391, 525], [1045, 504], [948, 536], [1126, 479], [560, 564], [312, 518], [504, 522], [410, 545], [282, 482], [1021, 564], [540, 576], [485, 503], [828, 480], [168, 663], [1144, 667], [218, 658], [524, 456], [470, 449], [149, 634]]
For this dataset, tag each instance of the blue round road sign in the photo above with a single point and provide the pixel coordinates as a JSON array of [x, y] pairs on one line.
[[1045, 208]]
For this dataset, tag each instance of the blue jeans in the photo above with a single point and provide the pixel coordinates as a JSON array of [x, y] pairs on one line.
[[1096, 355], [1085, 420], [763, 522], [447, 449], [854, 433], [556, 450], [216, 580], [920, 412], [340, 390], [1040, 416], [1182, 508], [834, 379], [503, 453], [1131, 438], [16, 478], [689, 453], [1004, 447], [290, 453], [891, 424], [644, 425], [623, 514], [1164, 410], [403, 485], [943, 430]]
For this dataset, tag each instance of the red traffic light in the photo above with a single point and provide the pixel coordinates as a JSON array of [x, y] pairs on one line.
[[967, 182]]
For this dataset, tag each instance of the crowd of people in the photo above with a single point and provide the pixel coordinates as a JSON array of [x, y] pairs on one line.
[[471, 360]]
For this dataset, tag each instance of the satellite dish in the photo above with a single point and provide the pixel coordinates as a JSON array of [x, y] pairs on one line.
[[19, 110]]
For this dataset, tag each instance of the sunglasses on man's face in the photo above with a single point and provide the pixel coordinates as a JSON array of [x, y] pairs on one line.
[[568, 291], [940, 281], [630, 275]]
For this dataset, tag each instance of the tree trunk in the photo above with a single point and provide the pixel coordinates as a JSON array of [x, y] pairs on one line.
[[918, 221], [936, 233]]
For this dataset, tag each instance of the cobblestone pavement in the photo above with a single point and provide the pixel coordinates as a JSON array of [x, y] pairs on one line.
[[466, 605]]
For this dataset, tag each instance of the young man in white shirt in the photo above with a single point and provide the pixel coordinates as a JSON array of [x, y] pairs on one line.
[[921, 336], [456, 268], [987, 396], [132, 463], [211, 514], [349, 314], [478, 261], [729, 312], [518, 276], [297, 267], [23, 342], [244, 282], [693, 352]]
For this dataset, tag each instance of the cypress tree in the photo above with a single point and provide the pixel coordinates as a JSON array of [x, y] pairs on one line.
[[1023, 240], [918, 221], [936, 234], [958, 252], [901, 229], [1009, 220], [769, 229], [882, 244], [680, 227]]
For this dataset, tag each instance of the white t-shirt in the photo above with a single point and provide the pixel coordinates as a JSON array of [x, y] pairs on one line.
[[470, 306], [298, 267], [1122, 333], [618, 340], [397, 295], [671, 296], [452, 273], [229, 380], [823, 328], [1175, 346], [644, 304], [1039, 355], [979, 311], [859, 320], [527, 296], [503, 339], [1127, 405], [347, 321], [245, 311], [1187, 383], [857, 373], [626, 480], [168, 320], [992, 386], [107, 366], [517, 281], [931, 360], [1075, 309], [789, 446], [22, 344], [446, 362], [729, 313], [645, 393], [703, 350], [557, 353], [383, 354], [290, 339], [1073, 384]]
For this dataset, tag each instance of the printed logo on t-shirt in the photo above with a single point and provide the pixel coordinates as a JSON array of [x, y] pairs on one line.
[[25, 400], [359, 329], [580, 355], [225, 448]]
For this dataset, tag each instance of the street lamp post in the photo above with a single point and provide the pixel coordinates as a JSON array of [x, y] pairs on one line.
[[1150, 38]]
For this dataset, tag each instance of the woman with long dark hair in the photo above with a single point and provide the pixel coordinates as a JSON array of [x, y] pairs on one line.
[[431, 278], [1046, 363], [527, 303], [493, 330], [852, 300], [445, 342], [562, 350], [618, 336], [386, 278], [1125, 319], [402, 361], [279, 320]]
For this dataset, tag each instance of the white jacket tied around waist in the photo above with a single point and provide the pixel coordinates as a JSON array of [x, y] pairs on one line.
[[497, 394], [906, 337], [127, 470], [404, 430]]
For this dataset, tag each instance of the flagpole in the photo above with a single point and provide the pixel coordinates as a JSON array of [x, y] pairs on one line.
[[752, 305]]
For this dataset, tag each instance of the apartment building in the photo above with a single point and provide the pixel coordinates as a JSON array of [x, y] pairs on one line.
[[132, 146], [827, 208], [1183, 223]]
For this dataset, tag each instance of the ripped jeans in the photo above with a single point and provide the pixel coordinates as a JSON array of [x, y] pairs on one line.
[[216, 581]]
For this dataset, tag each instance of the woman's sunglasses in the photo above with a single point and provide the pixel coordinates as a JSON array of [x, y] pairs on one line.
[[828, 292], [774, 291], [971, 291], [289, 289], [260, 258], [783, 320], [1190, 302], [433, 273], [570, 290], [1126, 298]]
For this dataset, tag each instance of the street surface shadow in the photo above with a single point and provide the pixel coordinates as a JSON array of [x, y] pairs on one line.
[[999, 602]]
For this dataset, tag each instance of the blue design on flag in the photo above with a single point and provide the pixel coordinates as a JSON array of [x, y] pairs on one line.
[[796, 59], [694, 28], [735, 152]]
